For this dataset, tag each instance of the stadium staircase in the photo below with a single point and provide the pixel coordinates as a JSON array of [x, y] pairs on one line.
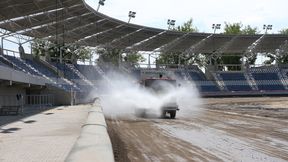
[[283, 80], [32, 68], [199, 79], [58, 81], [219, 82], [102, 73], [125, 68], [186, 76], [284, 73], [251, 81], [89, 72], [81, 76]]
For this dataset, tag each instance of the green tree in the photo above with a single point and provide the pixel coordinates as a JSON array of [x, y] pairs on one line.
[[187, 27], [175, 57], [170, 58], [134, 58], [234, 28], [38, 47], [284, 31], [70, 52], [237, 29], [112, 55], [280, 55], [249, 30]]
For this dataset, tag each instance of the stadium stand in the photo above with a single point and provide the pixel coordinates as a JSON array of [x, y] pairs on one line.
[[20, 64], [89, 71], [136, 73], [267, 78], [235, 81], [207, 86], [54, 78], [104, 31], [196, 75], [10, 64]]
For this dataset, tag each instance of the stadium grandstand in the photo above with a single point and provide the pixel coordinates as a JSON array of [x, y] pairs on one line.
[[74, 21]]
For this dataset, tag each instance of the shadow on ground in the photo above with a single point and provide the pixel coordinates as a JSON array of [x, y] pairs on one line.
[[9, 130], [28, 111]]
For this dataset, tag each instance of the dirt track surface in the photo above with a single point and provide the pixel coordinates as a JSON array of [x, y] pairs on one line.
[[231, 129]]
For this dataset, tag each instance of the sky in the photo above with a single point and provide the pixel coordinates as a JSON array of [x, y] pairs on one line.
[[155, 13]]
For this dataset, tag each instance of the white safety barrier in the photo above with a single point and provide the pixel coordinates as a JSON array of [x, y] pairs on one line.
[[94, 143]]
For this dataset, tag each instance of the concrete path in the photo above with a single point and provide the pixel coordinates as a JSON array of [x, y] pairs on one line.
[[47, 136]]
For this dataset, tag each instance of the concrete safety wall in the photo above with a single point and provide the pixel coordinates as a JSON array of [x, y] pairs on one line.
[[94, 143]]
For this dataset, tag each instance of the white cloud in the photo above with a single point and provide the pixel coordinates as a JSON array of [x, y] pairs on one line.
[[154, 13]]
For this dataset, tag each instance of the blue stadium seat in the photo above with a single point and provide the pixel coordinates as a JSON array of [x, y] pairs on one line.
[[41, 68], [207, 86], [235, 81], [232, 76], [18, 64], [136, 73], [197, 76], [68, 73], [267, 81], [265, 76], [178, 74], [89, 72]]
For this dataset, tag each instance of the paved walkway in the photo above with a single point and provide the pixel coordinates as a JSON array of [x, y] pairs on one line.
[[44, 137]]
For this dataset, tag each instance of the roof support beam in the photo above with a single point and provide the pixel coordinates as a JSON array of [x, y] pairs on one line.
[[50, 5], [51, 14], [135, 46], [98, 34], [191, 50], [172, 44], [117, 41], [72, 32]]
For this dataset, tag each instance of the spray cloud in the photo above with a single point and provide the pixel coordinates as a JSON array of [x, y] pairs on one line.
[[123, 96]]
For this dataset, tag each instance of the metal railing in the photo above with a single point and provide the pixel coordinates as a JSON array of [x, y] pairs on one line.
[[19, 100], [39, 100], [11, 53]]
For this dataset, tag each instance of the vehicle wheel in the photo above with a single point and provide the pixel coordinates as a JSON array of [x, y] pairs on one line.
[[172, 114], [163, 115], [140, 113]]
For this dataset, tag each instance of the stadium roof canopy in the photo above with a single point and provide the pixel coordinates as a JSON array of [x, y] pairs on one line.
[[73, 21]]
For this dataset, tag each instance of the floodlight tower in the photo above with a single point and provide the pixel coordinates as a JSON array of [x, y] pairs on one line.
[[131, 15], [215, 27], [267, 27], [101, 3], [170, 23]]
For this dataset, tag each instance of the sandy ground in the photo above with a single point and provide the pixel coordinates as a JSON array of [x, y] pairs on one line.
[[46, 135], [230, 129]]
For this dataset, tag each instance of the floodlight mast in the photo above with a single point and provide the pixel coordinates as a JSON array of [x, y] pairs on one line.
[[131, 15], [215, 27], [170, 23], [267, 27], [101, 3]]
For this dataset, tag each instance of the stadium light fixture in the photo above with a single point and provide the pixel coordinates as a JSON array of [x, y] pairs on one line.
[[170, 23], [101, 3], [267, 27], [131, 15], [215, 27]]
